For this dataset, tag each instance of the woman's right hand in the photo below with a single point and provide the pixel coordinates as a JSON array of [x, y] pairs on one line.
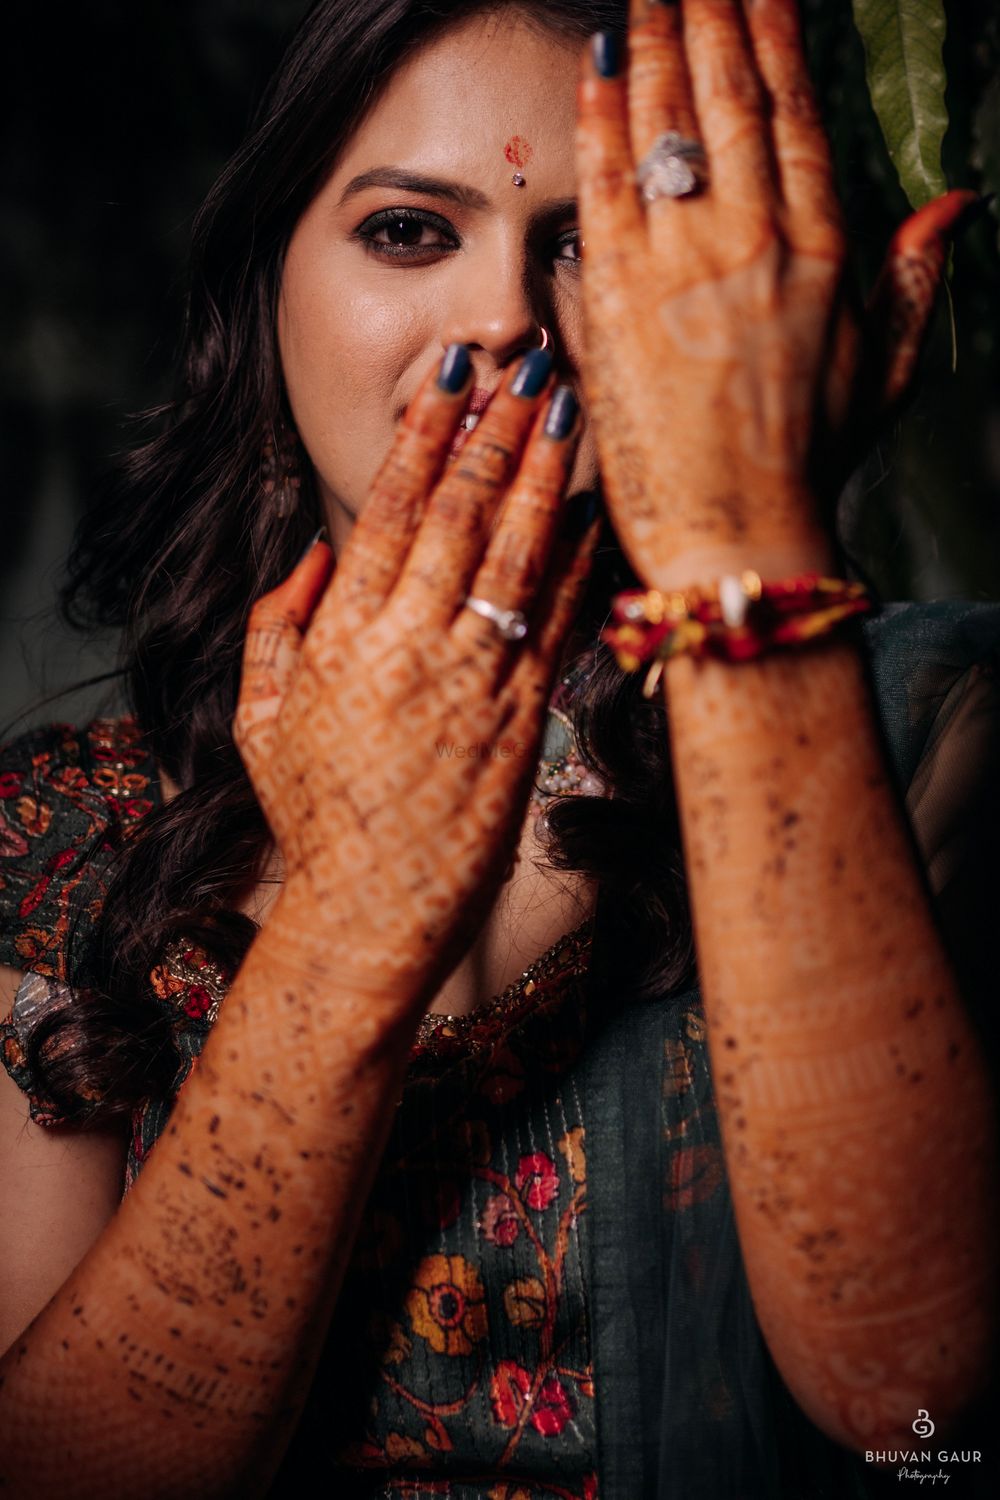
[[390, 733]]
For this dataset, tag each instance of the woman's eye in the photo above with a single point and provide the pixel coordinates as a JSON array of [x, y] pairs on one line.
[[569, 248], [406, 233]]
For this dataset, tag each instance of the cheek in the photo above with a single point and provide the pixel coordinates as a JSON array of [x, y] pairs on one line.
[[340, 350], [568, 311], [569, 328], [585, 472], [343, 360]]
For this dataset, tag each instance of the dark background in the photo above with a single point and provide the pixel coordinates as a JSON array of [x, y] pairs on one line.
[[116, 118]]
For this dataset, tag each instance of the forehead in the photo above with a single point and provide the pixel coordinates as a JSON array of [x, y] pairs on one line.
[[463, 97]]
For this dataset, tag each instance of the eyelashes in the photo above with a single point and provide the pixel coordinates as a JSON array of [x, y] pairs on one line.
[[408, 225], [417, 235]]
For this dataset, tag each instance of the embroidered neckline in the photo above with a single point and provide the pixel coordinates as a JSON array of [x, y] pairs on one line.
[[196, 987], [567, 958]]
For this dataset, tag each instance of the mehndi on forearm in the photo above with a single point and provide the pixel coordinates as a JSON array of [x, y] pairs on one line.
[[856, 1110], [176, 1357]]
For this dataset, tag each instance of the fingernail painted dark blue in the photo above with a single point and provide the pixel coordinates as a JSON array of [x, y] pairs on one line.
[[454, 368], [562, 413], [533, 373], [607, 53]]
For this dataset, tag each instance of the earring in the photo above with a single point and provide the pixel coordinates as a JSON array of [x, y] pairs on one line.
[[547, 341], [281, 469], [561, 771]]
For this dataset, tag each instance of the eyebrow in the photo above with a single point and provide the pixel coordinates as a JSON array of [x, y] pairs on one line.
[[441, 187], [415, 182]]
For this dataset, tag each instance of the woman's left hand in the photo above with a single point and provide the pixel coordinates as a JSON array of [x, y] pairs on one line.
[[730, 385]]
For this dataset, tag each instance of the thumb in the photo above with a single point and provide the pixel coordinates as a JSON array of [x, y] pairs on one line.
[[277, 623]]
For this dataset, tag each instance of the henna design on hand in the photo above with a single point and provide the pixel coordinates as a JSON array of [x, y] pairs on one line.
[[354, 677], [728, 379]]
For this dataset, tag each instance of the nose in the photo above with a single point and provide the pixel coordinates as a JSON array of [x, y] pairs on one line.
[[495, 311]]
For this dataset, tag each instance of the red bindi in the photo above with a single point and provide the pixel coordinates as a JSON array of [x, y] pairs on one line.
[[518, 152]]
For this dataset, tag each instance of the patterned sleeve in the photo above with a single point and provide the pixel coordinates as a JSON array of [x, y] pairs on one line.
[[67, 796], [37, 998]]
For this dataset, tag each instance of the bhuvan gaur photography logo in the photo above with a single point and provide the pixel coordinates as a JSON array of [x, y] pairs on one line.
[[910, 1460]]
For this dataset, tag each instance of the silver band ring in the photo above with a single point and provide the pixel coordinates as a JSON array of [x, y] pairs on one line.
[[547, 340], [675, 166], [511, 623]]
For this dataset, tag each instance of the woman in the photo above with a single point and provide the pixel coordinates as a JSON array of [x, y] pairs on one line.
[[360, 1244]]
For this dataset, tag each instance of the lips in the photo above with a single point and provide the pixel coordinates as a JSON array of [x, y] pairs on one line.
[[479, 400]]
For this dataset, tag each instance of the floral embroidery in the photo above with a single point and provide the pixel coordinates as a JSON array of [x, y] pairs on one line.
[[60, 819], [553, 1408], [415, 1372], [510, 1396], [194, 983], [58, 828], [13, 845], [32, 944], [524, 1302], [499, 1222], [571, 1147], [508, 1390], [538, 1174], [35, 816], [447, 1304]]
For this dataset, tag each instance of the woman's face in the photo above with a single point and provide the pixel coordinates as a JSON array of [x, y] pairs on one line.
[[420, 238]]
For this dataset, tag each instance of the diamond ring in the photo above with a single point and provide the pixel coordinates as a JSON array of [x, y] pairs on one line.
[[511, 623], [673, 167]]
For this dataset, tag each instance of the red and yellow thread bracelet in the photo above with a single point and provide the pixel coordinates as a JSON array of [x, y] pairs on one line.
[[735, 620]]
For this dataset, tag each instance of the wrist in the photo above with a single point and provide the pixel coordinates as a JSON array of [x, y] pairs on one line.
[[696, 561], [321, 940], [771, 526]]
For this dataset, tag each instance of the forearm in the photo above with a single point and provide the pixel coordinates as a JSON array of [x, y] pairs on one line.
[[855, 1107], [176, 1358]]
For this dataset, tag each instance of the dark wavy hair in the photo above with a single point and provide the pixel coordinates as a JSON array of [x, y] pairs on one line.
[[188, 537]]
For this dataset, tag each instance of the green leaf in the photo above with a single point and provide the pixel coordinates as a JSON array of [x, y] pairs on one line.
[[906, 80]]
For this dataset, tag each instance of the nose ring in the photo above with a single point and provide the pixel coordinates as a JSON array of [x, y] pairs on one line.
[[548, 342]]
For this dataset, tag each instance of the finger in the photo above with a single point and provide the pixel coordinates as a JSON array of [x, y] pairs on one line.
[[899, 310], [275, 629], [892, 335], [529, 683], [455, 525], [563, 590], [521, 544], [729, 103], [373, 557], [611, 217], [801, 149], [659, 89]]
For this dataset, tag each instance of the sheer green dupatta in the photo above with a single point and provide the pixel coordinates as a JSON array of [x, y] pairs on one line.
[[689, 1404]]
